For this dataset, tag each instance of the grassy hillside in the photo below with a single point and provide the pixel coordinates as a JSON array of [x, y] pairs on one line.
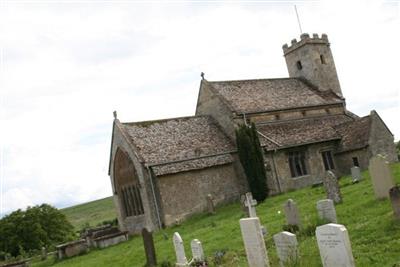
[[91, 213], [374, 235]]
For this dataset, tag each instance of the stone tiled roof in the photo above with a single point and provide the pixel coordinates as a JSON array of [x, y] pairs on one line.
[[180, 144], [355, 134], [302, 131], [192, 164], [247, 96]]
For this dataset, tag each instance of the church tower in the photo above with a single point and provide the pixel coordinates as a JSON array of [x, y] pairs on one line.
[[311, 58]]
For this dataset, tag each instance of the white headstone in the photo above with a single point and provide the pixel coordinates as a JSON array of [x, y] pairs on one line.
[[197, 250], [251, 204], [286, 248], [381, 176], [356, 174], [181, 260], [254, 242], [291, 213], [326, 210], [334, 246]]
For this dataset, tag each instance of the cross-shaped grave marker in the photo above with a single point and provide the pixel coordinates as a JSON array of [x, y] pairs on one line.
[[251, 204]]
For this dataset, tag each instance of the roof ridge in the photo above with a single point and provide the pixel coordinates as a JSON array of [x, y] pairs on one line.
[[163, 120], [259, 79], [299, 119]]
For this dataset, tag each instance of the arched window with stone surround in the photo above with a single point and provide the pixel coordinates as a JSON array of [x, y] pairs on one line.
[[127, 185]]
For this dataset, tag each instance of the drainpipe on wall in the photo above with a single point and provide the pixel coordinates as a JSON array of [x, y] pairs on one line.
[[154, 197]]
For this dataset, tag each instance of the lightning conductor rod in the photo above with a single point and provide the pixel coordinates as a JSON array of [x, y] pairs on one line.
[[298, 19]]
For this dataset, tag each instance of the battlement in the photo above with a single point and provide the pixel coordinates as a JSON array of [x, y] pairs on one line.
[[305, 39]]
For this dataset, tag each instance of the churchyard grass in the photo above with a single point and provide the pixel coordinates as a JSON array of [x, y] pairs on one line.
[[374, 234], [91, 213]]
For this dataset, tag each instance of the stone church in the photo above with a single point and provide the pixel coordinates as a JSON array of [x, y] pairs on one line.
[[162, 171]]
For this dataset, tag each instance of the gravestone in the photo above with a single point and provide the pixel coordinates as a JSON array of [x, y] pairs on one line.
[[332, 188], [395, 200], [326, 210], [286, 248], [356, 174], [381, 176], [149, 249], [291, 213], [181, 260], [254, 242], [334, 245], [44, 254], [250, 204], [197, 250], [210, 204]]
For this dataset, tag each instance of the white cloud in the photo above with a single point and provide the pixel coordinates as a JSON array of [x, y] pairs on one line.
[[67, 66]]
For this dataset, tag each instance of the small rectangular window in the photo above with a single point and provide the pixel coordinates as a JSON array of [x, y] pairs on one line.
[[327, 158], [297, 163], [355, 162], [322, 59]]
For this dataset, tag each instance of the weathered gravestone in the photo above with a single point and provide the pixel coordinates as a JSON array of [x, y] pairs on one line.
[[254, 242], [250, 204], [44, 254], [286, 248], [181, 260], [381, 176], [326, 210], [334, 246], [197, 250], [149, 249], [291, 213], [356, 174], [210, 204], [332, 188], [395, 200]]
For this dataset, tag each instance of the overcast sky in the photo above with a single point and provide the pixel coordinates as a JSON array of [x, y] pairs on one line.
[[66, 65]]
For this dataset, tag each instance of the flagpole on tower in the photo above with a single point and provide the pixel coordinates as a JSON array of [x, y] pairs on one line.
[[298, 19]]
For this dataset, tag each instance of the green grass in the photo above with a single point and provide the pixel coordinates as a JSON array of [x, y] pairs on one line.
[[92, 213], [374, 234]]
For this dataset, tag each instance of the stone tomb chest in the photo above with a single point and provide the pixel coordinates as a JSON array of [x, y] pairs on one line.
[[71, 249], [103, 237]]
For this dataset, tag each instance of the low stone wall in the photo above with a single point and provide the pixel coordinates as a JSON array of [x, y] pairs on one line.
[[71, 249], [111, 239]]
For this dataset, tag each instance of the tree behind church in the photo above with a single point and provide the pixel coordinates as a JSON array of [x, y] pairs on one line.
[[251, 158], [30, 230]]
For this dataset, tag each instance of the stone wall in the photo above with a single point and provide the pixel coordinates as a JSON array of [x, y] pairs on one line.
[[210, 104], [183, 194], [381, 140], [345, 160], [279, 167]]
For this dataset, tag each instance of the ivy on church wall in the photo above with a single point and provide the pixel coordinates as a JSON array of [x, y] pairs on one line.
[[251, 158]]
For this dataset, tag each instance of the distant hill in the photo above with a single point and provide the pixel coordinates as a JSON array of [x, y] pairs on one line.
[[92, 213]]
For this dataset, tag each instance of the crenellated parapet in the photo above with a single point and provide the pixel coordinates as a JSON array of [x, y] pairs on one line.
[[305, 39]]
